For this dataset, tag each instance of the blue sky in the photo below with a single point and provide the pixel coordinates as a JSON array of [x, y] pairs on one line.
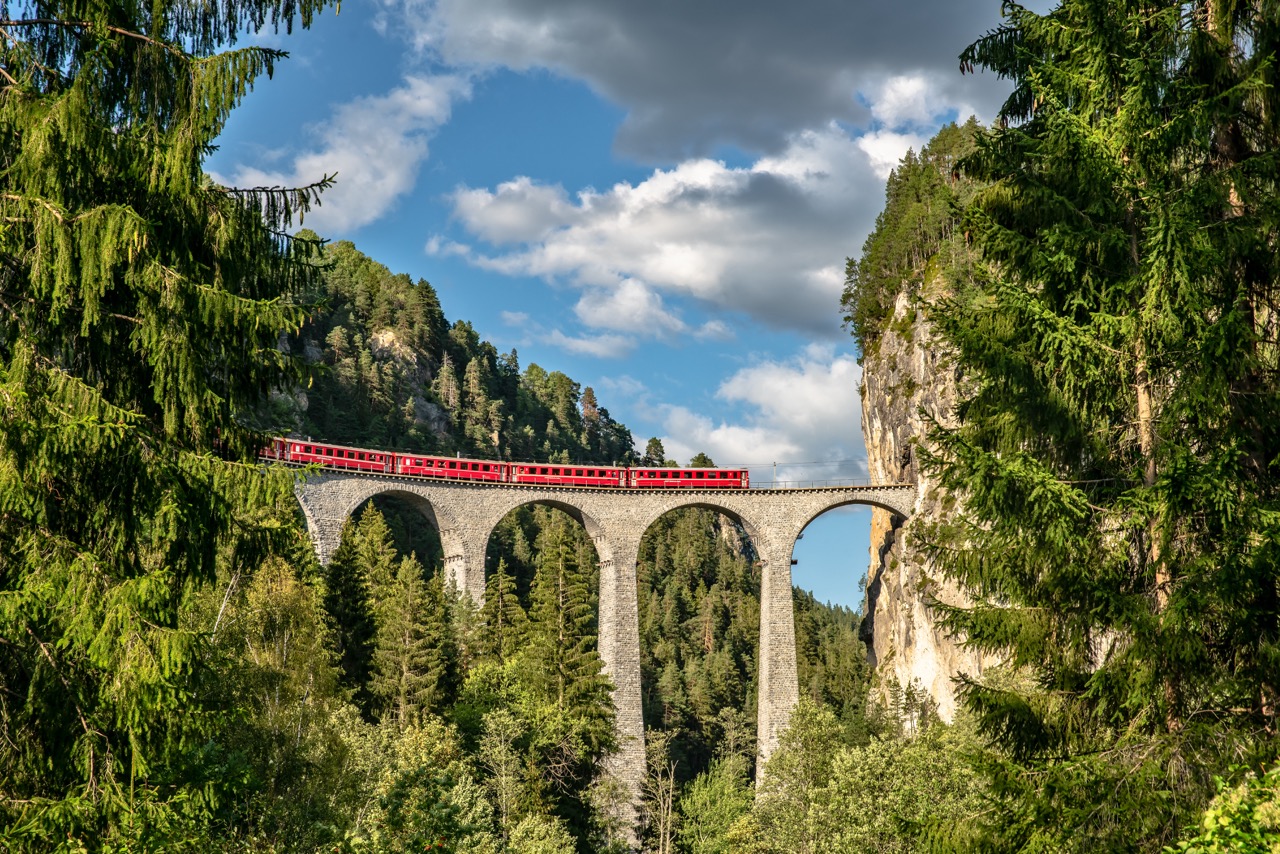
[[655, 198]]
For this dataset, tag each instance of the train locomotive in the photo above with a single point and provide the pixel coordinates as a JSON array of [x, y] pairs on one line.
[[304, 452]]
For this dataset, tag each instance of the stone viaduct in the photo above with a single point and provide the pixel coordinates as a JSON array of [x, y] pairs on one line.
[[465, 514]]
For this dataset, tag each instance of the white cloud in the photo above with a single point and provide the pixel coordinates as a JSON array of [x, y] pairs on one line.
[[714, 330], [375, 144], [804, 410], [601, 346], [768, 240], [908, 100], [885, 148], [629, 307], [625, 386], [514, 318], [519, 210]]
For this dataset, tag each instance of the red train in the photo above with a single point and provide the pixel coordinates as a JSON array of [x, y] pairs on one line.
[[306, 452]]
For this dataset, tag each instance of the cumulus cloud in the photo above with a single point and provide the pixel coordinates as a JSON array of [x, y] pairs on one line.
[[695, 76], [629, 307], [375, 144], [886, 148], [911, 100], [767, 240], [606, 346], [803, 412]]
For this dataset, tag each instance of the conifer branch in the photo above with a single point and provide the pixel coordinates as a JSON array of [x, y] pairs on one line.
[[90, 25]]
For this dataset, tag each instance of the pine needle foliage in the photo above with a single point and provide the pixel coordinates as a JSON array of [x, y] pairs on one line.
[[140, 306], [924, 197], [562, 622], [1119, 447]]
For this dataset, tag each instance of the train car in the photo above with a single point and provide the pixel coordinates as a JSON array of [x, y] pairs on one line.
[[546, 474], [276, 449], [665, 478], [451, 468], [305, 452]]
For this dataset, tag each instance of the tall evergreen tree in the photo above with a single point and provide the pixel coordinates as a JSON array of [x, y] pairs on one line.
[[347, 602], [409, 659], [441, 645], [375, 551], [140, 303], [1118, 450], [562, 622], [505, 623], [654, 454]]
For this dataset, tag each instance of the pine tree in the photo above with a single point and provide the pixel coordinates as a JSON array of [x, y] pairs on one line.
[[1117, 450], [562, 624], [347, 602], [505, 623], [140, 304], [654, 454], [406, 668]]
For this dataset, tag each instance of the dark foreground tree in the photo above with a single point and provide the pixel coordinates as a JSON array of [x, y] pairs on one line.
[[1119, 448], [140, 306]]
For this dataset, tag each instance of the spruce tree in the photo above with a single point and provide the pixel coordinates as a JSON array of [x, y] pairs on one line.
[[505, 623], [562, 623], [413, 654], [375, 551], [1117, 451], [140, 304], [441, 646], [347, 602]]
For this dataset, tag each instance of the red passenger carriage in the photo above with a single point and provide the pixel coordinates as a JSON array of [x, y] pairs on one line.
[[671, 478], [561, 475], [338, 456], [451, 468]]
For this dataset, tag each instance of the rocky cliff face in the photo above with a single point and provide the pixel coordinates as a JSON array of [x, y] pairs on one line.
[[904, 380]]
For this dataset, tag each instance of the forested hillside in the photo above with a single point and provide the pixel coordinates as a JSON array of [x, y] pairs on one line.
[[392, 372]]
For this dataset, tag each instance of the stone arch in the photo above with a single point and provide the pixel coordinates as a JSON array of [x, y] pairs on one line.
[[453, 537], [514, 500], [755, 531], [826, 507]]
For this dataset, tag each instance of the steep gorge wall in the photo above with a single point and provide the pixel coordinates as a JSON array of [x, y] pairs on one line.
[[904, 380]]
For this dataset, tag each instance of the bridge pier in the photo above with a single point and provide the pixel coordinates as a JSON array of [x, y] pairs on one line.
[[779, 688], [619, 647]]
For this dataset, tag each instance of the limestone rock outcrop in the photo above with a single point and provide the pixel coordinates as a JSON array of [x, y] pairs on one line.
[[907, 380]]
